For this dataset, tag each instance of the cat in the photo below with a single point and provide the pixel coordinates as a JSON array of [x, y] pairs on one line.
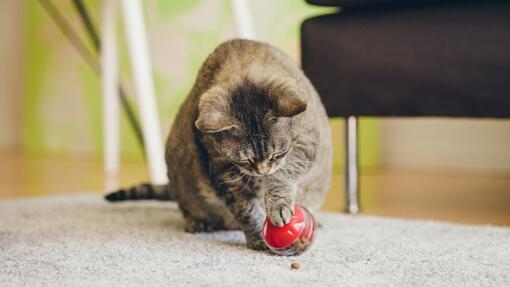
[[251, 140]]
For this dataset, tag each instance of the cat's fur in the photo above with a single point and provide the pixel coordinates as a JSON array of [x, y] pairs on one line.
[[251, 139]]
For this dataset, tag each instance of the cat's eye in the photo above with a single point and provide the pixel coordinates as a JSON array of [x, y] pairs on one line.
[[272, 119], [244, 161], [279, 155]]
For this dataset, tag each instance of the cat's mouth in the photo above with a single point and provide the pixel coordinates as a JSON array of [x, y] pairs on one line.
[[261, 168], [256, 173], [263, 173], [260, 172]]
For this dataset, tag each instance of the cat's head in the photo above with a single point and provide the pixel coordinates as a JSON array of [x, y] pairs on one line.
[[251, 123]]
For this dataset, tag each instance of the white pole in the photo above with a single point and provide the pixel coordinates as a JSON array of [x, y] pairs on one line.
[[109, 76], [242, 18], [139, 55]]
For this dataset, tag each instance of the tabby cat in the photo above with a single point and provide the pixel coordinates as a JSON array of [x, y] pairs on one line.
[[251, 139]]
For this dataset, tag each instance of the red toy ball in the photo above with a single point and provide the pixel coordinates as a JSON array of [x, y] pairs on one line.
[[293, 238]]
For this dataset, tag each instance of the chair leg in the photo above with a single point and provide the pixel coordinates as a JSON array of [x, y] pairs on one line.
[[351, 165], [243, 19], [109, 76], [142, 74]]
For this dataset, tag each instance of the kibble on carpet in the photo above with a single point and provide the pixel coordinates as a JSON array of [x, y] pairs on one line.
[[80, 240]]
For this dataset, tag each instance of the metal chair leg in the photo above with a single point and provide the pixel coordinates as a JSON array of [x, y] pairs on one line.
[[351, 165]]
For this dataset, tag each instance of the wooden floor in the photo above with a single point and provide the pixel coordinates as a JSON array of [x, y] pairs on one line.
[[466, 197]]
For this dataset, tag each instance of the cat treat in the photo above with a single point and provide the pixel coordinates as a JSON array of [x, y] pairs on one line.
[[295, 265]]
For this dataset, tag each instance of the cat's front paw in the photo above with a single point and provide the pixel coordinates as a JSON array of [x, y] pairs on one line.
[[197, 226], [258, 244], [280, 213]]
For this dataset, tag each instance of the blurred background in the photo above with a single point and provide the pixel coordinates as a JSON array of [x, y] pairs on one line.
[[51, 125]]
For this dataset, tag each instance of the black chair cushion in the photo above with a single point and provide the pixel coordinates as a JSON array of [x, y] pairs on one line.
[[369, 3], [449, 60]]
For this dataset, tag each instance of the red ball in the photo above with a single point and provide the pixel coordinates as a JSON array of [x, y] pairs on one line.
[[293, 238]]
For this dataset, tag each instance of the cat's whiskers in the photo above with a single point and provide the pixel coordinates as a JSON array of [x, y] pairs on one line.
[[232, 167], [233, 179], [287, 163], [290, 168], [298, 161], [246, 184]]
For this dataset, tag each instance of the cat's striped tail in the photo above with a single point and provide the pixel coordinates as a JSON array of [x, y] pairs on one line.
[[139, 192]]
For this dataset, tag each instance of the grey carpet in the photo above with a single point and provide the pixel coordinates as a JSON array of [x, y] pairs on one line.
[[79, 240]]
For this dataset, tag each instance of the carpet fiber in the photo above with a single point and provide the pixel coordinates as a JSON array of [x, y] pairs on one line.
[[76, 240]]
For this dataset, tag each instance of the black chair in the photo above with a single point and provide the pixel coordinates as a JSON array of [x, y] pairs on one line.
[[408, 58]]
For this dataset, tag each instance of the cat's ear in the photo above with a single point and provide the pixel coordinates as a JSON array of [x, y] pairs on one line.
[[213, 122], [213, 111], [287, 100]]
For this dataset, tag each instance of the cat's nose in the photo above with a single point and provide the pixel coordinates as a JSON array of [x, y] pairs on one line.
[[263, 168]]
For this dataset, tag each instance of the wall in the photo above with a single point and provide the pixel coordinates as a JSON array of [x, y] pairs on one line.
[[11, 72], [474, 144]]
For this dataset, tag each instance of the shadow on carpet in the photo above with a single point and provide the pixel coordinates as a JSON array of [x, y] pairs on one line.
[[77, 240]]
